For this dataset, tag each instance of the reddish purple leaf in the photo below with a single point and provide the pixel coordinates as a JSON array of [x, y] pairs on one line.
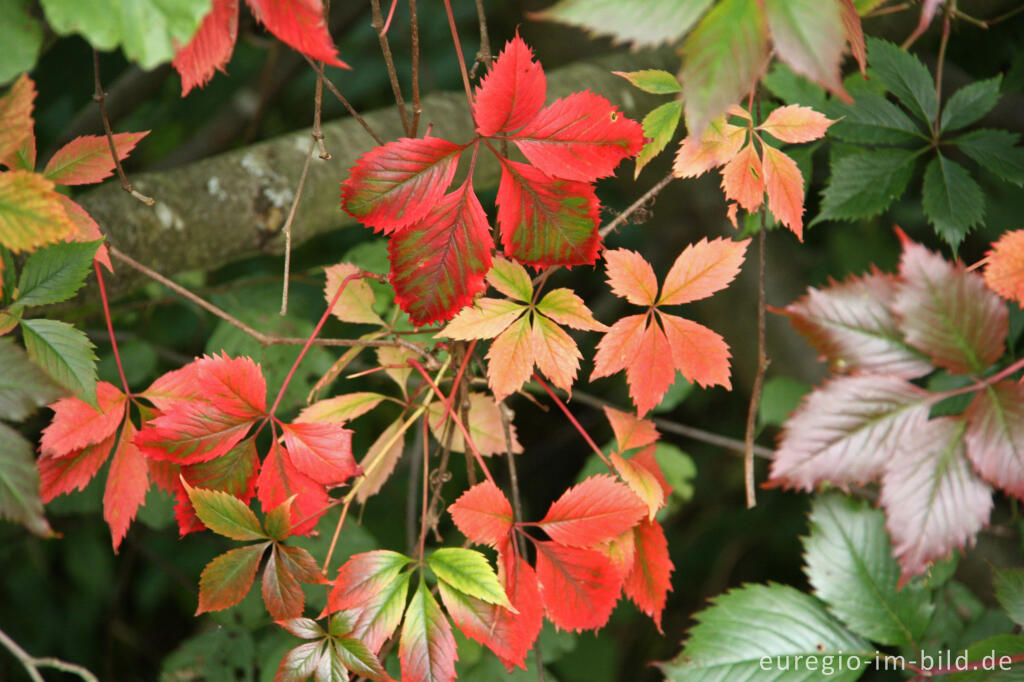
[[995, 435]]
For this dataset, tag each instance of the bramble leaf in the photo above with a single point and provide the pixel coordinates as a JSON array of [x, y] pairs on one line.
[[597, 509], [862, 185], [87, 160], [483, 514], [210, 48], [512, 92], [995, 435], [65, 353], [873, 119]]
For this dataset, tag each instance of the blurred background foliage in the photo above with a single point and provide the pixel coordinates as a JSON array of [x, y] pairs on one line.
[[129, 616]]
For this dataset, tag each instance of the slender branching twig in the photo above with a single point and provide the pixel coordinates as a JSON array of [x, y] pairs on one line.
[[101, 100], [33, 664]]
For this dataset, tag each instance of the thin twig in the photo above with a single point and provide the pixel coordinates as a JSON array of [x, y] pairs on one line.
[[288, 225], [414, 28], [458, 52], [318, 103], [101, 99], [318, 67], [32, 664], [762, 367], [483, 55], [389, 61], [263, 339], [636, 205], [579, 427], [421, 547]]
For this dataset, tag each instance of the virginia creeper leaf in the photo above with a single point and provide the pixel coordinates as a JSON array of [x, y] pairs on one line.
[[702, 269], [76, 424], [566, 308], [510, 359], [281, 591], [953, 202], [520, 583], [364, 576], [279, 480], [995, 435], [399, 183], [86, 159], [593, 511], [659, 126], [555, 353], [630, 431], [905, 76], [631, 277], [511, 279], [321, 450], [487, 318], [304, 628], [715, 147], [479, 620], [483, 514], [484, 426], [210, 48], [934, 502], [86, 229], [427, 648], [468, 572], [995, 150], [73, 470], [785, 188], [649, 583], [379, 462], [1009, 588], [970, 103], [356, 657], [512, 92], [341, 409], [234, 386], [226, 579], [743, 179], [65, 353], [642, 482], [794, 123], [579, 587], [193, 432], [127, 485], [225, 514], [377, 618], [299, 24], [301, 663], [654, 81]]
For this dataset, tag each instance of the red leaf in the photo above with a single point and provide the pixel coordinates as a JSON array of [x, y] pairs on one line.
[[364, 576], [630, 431], [16, 115], [210, 48], [846, 431], [593, 511], [699, 353], [631, 277], [649, 583], [398, 184], [300, 24], [785, 188], [427, 650], [321, 450], [743, 179], [174, 388], [87, 230], [852, 326], [579, 587], [282, 593], [76, 424], [193, 432], [86, 159], [234, 473], [947, 312], [279, 480], [582, 138], [73, 470], [650, 371], [854, 33], [127, 484], [701, 270], [995, 435], [438, 263], [933, 501], [479, 620], [520, 583], [483, 514], [226, 579], [644, 484], [235, 386], [376, 619], [546, 221], [1004, 269], [512, 92]]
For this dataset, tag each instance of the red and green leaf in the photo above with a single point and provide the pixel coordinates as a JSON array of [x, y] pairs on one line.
[[86, 159], [31, 213], [376, 619], [649, 581], [76, 424], [281, 591], [593, 511], [225, 514], [364, 576], [427, 649], [995, 435], [279, 480], [16, 115], [227, 579], [321, 450]]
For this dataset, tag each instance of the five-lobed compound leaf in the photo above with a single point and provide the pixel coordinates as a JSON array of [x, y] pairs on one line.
[[427, 648], [849, 564], [905, 76], [225, 514], [862, 185], [947, 312], [579, 587], [775, 622], [846, 431], [468, 572], [72, 471], [31, 213], [483, 514], [321, 450], [438, 263], [953, 202], [226, 579], [934, 502], [593, 511], [86, 159], [279, 479], [399, 183], [794, 124], [19, 483], [65, 353], [1004, 268], [643, 23], [995, 435], [77, 424], [511, 93], [210, 48], [650, 579], [54, 274], [970, 103], [355, 304]]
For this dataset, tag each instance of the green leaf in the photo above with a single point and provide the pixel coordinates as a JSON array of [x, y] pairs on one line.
[[865, 184], [996, 151], [301, 663], [226, 579], [721, 60], [998, 653], [851, 568], [970, 103], [148, 30], [678, 469], [279, 521], [54, 274], [468, 571], [872, 119], [225, 514], [659, 125], [21, 35], [65, 353], [809, 36], [654, 81], [23, 386], [791, 88], [771, 626], [1009, 587], [19, 483], [953, 201], [640, 22], [905, 76], [357, 658], [780, 397]]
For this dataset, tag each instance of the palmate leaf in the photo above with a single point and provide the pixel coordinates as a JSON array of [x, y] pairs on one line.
[[483, 514], [970, 103], [642, 481], [127, 485], [630, 431], [850, 565], [16, 115], [846, 431], [438, 263], [363, 576], [31, 213], [512, 92], [353, 656], [427, 649], [279, 479], [597, 509], [649, 581], [642, 23], [905, 76], [22, 36], [749, 623], [934, 502], [794, 124], [995, 150], [947, 312], [852, 326], [210, 47], [19, 483], [225, 514], [809, 36], [953, 202], [579, 587], [384, 454], [995, 435], [341, 409], [86, 159], [702, 269], [862, 185]]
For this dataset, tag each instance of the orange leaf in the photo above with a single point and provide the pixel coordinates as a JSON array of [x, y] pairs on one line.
[[720, 142], [555, 353], [1004, 273], [31, 213], [618, 346], [785, 188], [650, 582], [794, 123], [630, 431], [510, 360], [699, 353], [650, 372], [127, 484], [642, 482], [485, 319], [743, 179], [76, 424], [16, 115], [702, 269], [87, 160], [631, 277], [483, 514]]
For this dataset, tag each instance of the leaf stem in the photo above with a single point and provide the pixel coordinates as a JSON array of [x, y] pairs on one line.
[[101, 99], [762, 367], [944, 42], [110, 327], [565, 410], [318, 67], [458, 52]]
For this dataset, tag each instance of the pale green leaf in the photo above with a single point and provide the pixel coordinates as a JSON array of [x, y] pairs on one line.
[[780, 397], [65, 353], [357, 658], [659, 126], [953, 201], [21, 36], [863, 185], [19, 483], [970, 104], [148, 30], [468, 571], [654, 81], [996, 151], [23, 386], [849, 564], [905, 76], [1009, 587], [54, 274], [225, 514], [809, 36], [640, 22]]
